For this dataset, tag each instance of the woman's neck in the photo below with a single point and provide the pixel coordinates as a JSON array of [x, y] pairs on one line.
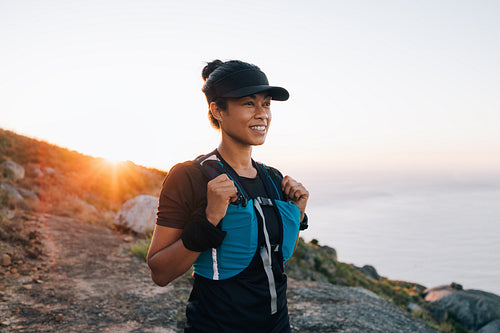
[[239, 158]]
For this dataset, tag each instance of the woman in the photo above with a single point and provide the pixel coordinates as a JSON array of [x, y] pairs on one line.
[[236, 220]]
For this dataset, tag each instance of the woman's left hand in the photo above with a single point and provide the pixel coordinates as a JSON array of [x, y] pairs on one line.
[[296, 192]]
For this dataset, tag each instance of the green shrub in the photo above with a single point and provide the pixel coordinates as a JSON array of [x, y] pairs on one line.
[[141, 247]]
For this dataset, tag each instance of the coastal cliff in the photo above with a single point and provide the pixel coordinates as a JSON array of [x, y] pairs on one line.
[[447, 308]]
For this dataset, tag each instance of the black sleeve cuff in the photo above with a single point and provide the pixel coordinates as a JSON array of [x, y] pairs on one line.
[[304, 224], [200, 235]]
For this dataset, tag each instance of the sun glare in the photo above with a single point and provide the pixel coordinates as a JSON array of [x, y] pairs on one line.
[[112, 162]]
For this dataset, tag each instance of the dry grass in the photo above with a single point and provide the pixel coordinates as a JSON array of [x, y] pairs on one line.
[[69, 183]]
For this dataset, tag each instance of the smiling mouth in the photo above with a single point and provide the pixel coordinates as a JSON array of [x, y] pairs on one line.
[[258, 128]]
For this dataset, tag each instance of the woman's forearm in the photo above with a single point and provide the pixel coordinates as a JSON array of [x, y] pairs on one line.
[[171, 262]]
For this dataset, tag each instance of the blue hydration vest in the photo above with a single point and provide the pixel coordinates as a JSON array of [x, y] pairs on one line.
[[241, 224]]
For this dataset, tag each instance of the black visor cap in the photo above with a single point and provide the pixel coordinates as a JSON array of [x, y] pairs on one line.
[[248, 82]]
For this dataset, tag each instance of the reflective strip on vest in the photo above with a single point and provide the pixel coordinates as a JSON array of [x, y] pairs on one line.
[[265, 253], [216, 268]]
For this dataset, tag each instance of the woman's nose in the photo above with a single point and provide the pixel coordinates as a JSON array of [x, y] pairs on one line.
[[261, 112]]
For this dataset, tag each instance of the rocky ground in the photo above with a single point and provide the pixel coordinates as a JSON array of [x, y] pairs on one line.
[[83, 279], [88, 282], [324, 307]]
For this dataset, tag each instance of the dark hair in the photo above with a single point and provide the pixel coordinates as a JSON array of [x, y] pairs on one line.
[[214, 71]]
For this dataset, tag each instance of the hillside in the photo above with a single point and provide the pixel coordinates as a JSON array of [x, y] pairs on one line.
[[56, 226], [69, 183]]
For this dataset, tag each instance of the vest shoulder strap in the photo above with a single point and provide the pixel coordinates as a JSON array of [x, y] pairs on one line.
[[276, 178], [212, 165]]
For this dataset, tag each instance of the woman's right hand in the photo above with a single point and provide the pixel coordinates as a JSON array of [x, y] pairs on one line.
[[221, 191]]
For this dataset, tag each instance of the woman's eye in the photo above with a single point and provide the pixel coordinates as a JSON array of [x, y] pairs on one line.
[[267, 103], [249, 103]]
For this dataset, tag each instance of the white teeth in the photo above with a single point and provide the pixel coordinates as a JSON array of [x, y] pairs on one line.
[[258, 128]]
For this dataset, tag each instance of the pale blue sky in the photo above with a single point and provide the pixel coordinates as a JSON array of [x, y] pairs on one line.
[[374, 84]]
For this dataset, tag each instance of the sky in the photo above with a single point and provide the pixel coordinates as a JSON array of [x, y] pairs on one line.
[[384, 94], [375, 85]]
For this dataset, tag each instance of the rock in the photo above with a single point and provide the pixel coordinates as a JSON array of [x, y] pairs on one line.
[[325, 307], [128, 238], [312, 262], [59, 317], [138, 214], [37, 172], [13, 195], [80, 209], [6, 260], [366, 292], [491, 327], [49, 171], [369, 271], [33, 170], [81, 206], [28, 194], [472, 308], [329, 251], [414, 308], [13, 170], [9, 214], [5, 322], [436, 293]]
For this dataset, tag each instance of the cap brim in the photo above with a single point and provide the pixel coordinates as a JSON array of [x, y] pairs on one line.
[[277, 93]]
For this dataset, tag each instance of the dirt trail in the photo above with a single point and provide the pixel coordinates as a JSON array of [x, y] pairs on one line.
[[90, 284]]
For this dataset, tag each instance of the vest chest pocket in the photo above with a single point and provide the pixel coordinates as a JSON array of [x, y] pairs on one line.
[[238, 247], [290, 214]]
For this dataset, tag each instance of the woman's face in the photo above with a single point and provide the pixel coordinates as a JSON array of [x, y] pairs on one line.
[[246, 120]]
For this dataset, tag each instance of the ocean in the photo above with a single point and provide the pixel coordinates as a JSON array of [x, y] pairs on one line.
[[432, 231]]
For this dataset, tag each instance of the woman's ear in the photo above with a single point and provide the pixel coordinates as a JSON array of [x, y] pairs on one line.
[[215, 111]]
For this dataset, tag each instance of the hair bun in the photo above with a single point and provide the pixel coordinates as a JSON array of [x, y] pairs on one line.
[[209, 68]]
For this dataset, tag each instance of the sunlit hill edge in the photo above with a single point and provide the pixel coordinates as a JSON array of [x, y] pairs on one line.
[[69, 183]]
